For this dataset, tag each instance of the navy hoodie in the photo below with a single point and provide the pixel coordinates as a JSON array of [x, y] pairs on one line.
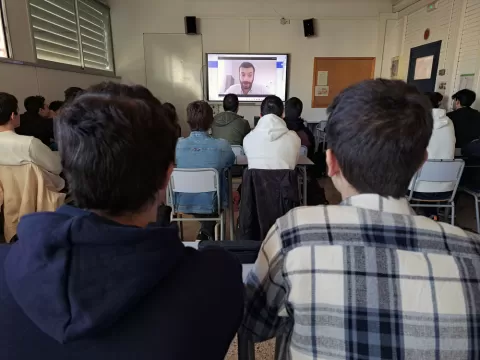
[[78, 286]]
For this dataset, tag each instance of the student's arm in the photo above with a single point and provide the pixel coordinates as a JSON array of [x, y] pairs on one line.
[[42, 156], [247, 128], [266, 292]]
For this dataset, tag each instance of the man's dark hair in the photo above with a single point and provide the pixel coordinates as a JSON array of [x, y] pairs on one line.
[[55, 105], [8, 105], [106, 138], [247, 65], [293, 108], [230, 103], [171, 112], [435, 99], [379, 131], [72, 92], [272, 105], [466, 97], [199, 116], [33, 104]]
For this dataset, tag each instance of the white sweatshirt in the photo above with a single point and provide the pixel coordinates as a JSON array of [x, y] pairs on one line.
[[271, 146], [440, 147]]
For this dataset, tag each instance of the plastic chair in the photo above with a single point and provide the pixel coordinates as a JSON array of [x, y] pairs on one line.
[[238, 150], [446, 171], [303, 150], [195, 181], [476, 195]]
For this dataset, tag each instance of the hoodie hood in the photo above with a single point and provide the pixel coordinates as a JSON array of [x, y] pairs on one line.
[[440, 118], [74, 273], [271, 127], [226, 118]]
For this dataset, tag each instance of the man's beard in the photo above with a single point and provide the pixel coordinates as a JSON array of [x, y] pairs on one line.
[[247, 85]]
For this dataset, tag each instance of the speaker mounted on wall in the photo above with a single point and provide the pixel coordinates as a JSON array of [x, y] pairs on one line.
[[309, 27], [191, 25]]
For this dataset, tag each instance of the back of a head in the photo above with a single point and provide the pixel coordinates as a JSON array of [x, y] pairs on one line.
[[171, 112], [379, 131], [199, 116], [230, 103], [435, 99], [72, 92], [106, 138], [465, 97], [8, 105], [293, 108], [272, 105], [55, 105], [33, 104]]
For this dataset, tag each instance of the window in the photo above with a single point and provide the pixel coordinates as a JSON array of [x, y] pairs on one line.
[[74, 32], [3, 33]]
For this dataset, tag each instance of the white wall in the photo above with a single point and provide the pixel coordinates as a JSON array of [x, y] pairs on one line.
[[345, 28], [27, 80]]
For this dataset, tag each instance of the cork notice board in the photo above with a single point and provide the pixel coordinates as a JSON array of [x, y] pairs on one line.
[[332, 75]]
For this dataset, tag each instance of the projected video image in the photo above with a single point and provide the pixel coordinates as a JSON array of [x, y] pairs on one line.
[[251, 77]]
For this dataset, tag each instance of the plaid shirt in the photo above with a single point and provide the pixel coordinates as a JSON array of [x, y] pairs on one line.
[[366, 280]]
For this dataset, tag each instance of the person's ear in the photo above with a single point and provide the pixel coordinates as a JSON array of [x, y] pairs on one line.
[[332, 164]]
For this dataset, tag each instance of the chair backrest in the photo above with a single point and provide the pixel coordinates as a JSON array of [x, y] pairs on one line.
[[193, 181], [322, 125], [445, 171], [303, 150], [25, 189], [238, 150]]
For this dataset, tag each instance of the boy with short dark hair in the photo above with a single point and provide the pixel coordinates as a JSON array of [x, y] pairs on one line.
[[229, 125], [36, 120], [369, 279], [466, 120], [103, 280]]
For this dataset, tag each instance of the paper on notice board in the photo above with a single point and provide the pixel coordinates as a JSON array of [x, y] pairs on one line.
[[322, 78], [322, 90]]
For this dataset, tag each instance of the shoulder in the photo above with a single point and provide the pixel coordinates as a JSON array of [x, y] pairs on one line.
[[223, 144]]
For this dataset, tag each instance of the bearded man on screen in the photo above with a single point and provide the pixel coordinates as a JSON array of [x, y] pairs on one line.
[[247, 86]]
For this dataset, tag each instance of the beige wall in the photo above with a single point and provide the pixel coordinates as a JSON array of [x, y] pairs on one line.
[[345, 28]]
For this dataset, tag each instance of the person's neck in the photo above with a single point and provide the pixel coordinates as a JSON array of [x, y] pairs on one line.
[[140, 219], [7, 127]]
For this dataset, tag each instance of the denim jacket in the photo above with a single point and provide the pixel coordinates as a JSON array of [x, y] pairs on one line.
[[200, 150]]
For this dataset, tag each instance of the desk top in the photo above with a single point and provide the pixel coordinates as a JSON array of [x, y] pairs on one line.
[[302, 161]]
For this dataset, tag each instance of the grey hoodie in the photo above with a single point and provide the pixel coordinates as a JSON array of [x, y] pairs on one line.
[[231, 127]]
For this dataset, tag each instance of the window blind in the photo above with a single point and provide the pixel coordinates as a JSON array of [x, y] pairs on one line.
[[74, 32], [3, 37]]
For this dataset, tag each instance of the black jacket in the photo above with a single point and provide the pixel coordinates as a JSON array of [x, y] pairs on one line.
[[34, 125], [266, 196], [306, 136], [466, 122], [78, 286]]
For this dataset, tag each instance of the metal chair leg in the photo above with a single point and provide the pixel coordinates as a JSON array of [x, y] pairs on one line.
[[222, 227], [453, 213], [181, 226]]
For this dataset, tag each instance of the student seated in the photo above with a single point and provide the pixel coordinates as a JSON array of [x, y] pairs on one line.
[[36, 120], [294, 121], [18, 149], [440, 147], [369, 279], [466, 120], [200, 150], [171, 113], [54, 108], [229, 125], [71, 93], [270, 145], [102, 280]]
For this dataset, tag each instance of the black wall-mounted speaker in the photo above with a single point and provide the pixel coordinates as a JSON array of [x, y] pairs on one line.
[[191, 25], [309, 27]]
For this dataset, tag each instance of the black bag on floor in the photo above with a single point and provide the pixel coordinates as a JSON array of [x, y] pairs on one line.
[[245, 251]]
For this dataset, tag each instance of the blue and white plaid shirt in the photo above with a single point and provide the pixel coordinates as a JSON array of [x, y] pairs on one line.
[[367, 280]]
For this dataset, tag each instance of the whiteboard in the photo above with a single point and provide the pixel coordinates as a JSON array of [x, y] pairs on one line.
[[174, 69]]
